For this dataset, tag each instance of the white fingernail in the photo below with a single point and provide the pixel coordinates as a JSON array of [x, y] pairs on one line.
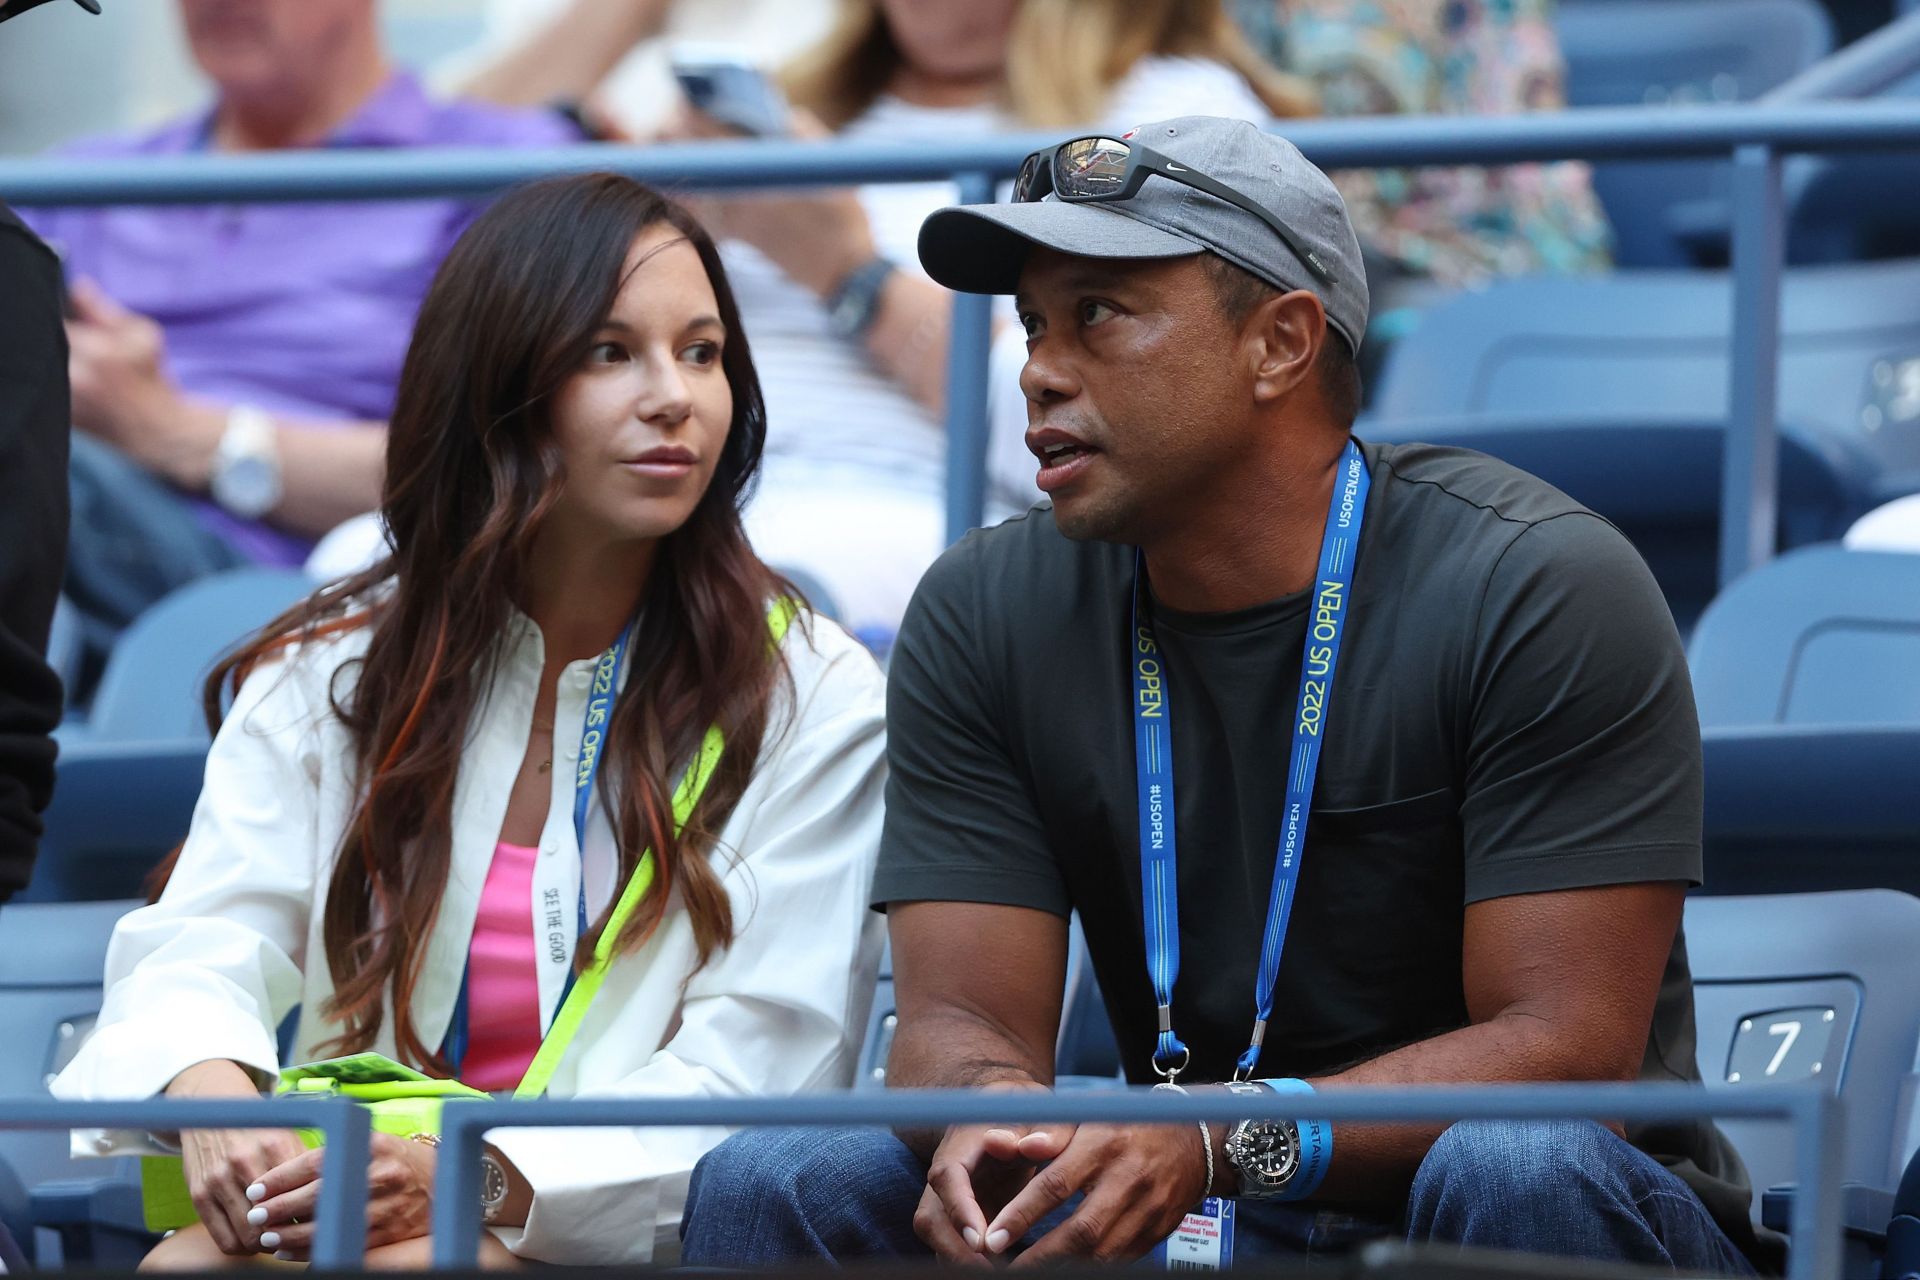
[[972, 1238], [257, 1192], [997, 1240], [257, 1216], [283, 1255], [269, 1239]]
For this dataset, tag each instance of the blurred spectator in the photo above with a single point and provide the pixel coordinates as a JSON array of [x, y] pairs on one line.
[[1465, 57], [541, 52], [33, 535], [849, 334], [232, 365]]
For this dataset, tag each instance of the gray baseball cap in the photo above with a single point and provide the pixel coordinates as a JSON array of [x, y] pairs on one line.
[[981, 248]]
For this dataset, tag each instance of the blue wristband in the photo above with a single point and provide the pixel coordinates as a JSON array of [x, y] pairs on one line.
[[1316, 1146]]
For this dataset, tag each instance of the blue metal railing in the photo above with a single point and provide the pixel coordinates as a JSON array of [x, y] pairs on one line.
[[340, 1217], [1867, 66], [1812, 1111], [1757, 137]]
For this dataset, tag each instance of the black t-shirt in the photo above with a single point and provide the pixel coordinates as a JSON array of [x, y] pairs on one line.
[[1511, 715]]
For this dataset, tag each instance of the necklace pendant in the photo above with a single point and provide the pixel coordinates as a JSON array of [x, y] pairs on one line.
[[545, 765]]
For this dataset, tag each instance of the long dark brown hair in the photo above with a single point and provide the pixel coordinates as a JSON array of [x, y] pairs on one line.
[[472, 470]]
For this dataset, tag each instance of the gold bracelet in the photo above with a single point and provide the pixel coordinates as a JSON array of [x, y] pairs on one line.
[[429, 1139]]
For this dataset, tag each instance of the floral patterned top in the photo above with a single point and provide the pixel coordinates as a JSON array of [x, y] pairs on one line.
[[1444, 57]]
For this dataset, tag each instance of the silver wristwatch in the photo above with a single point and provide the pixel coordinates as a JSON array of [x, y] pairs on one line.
[[493, 1189], [246, 464], [1265, 1153]]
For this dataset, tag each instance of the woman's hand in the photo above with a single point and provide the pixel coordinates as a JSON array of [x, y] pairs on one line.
[[222, 1163], [817, 237], [399, 1197]]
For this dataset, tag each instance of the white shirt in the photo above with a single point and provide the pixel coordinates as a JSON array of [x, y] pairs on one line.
[[1894, 526], [210, 970]]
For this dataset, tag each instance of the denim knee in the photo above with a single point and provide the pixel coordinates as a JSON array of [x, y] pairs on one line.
[[1516, 1170], [753, 1162], [770, 1196], [1564, 1187]]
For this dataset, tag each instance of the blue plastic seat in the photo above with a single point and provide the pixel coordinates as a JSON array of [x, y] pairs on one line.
[[1615, 389], [1822, 988], [151, 689], [1678, 53], [1855, 208], [52, 959], [1805, 673], [129, 774]]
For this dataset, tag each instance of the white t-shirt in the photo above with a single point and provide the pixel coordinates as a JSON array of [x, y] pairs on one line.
[[830, 409]]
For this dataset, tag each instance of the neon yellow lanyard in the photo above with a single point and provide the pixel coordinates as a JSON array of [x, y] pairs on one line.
[[573, 1011]]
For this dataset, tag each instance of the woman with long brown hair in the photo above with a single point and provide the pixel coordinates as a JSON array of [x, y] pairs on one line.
[[570, 716]]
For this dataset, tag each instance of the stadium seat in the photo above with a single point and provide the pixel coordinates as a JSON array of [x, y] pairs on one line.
[[150, 691], [1658, 479], [128, 775], [1854, 208], [1679, 53], [1902, 1261], [1803, 671], [1820, 987], [65, 642], [52, 956], [882, 1020], [1820, 636], [1615, 389]]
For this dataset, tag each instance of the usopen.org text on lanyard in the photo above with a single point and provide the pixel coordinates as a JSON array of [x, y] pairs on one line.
[[1153, 760], [593, 738]]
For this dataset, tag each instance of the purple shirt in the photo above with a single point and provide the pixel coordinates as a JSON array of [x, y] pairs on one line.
[[300, 309]]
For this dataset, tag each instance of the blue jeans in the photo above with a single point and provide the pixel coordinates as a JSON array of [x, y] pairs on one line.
[[134, 538], [778, 1196]]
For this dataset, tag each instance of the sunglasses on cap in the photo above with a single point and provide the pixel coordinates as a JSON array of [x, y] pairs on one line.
[[1093, 169]]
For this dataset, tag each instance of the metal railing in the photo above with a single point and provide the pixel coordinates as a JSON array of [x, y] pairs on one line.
[[340, 1217], [1757, 137], [1869, 65], [1815, 1222]]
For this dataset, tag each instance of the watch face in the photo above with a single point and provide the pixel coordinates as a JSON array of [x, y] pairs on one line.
[[493, 1182], [1270, 1152], [247, 486]]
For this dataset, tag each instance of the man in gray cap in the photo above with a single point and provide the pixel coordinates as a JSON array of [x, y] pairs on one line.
[[1437, 765]]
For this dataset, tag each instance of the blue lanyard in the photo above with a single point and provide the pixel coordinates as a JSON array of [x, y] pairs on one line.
[[1153, 765], [593, 736]]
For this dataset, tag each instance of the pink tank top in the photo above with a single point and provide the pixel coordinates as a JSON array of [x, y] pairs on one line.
[[503, 989]]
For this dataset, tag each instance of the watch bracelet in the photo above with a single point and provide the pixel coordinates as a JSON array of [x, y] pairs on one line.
[[863, 285], [1206, 1134]]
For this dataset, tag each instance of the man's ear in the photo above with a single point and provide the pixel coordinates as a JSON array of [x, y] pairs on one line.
[[1285, 334]]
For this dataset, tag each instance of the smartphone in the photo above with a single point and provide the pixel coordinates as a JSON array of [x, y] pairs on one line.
[[721, 81]]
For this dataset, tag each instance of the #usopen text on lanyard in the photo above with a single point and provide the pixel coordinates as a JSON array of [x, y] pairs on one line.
[[1153, 764]]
